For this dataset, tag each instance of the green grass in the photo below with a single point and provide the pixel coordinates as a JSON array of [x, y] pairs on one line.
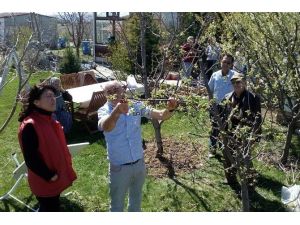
[[200, 190]]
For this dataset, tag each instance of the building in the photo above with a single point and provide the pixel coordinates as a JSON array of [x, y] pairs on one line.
[[106, 27], [13, 23], [168, 19]]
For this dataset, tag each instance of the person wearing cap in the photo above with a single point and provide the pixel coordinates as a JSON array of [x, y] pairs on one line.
[[189, 56], [120, 122], [219, 85], [242, 109], [61, 113]]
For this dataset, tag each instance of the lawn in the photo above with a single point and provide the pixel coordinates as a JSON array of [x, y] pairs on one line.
[[197, 189]]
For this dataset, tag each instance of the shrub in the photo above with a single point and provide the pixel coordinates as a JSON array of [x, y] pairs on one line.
[[119, 58], [70, 63]]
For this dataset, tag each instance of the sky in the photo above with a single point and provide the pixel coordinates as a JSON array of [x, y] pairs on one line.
[[55, 13], [150, 5]]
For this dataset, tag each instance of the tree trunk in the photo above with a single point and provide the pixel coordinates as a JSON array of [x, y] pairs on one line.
[[78, 51], [291, 128], [246, 178], [245, 194], [243, 165], [143, 54], [157, 129], [288, 141]]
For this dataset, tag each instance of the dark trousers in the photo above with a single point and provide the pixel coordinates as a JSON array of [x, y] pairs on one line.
[[231, 173], [214, 137], [209, 68], [215, 130], [49, 204]]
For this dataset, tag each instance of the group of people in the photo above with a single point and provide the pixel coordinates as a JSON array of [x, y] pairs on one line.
[[49, 163], [206, 58], [192, 52], [46, 154], [236, 107]]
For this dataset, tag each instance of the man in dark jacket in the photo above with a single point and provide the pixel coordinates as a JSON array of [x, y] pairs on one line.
[[242, 115]]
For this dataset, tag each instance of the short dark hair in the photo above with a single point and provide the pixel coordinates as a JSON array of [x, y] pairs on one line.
[[34, 94], [228, 56]]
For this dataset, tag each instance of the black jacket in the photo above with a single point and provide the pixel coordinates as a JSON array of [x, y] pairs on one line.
[[244, 111]]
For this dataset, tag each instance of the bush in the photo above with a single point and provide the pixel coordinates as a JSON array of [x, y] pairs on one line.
[[70, 63], [119, 58]]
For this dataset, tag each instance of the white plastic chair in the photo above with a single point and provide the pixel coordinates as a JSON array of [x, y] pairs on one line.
[[18, 174], [290, 196], [21, 172]]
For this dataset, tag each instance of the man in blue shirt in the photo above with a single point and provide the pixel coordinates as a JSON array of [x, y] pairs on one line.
[[220, 85], [121, 125]]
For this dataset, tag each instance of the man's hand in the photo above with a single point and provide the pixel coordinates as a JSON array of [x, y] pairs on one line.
[[172, 104], [110, 121], [165, 113], [122, 106]]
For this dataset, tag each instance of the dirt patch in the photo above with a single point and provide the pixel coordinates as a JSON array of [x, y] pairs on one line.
[[179, 157], [269, 158], [273, 158]]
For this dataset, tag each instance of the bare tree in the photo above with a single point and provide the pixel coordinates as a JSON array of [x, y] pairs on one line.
[[143, 53], [168, 38], [12, 57], [272, 47], [75, 23], [238, 151]]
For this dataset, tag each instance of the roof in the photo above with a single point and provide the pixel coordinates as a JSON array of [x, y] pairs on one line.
[[12, 14]]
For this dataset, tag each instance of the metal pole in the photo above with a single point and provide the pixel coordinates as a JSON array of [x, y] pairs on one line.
[[114, 28], [95, 35]]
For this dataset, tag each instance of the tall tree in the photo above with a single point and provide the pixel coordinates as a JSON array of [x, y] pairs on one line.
[[146, 35], [270, 42], [75, 23], [132, 29], [16, 55]]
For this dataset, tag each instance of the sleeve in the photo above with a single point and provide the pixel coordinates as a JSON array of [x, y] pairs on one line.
[[186, 47], [257, 113], [66, 96], [211, 84], [145, 110], [102, 113], [207, 50], [31, 154]]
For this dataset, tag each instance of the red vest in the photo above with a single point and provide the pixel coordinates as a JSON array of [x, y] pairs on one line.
[[54, 152]]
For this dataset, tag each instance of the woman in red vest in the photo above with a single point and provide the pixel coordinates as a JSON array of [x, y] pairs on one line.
[[44, 149]]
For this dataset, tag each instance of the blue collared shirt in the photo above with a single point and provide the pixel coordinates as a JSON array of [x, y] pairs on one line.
[[124, 141], [220, 85]]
